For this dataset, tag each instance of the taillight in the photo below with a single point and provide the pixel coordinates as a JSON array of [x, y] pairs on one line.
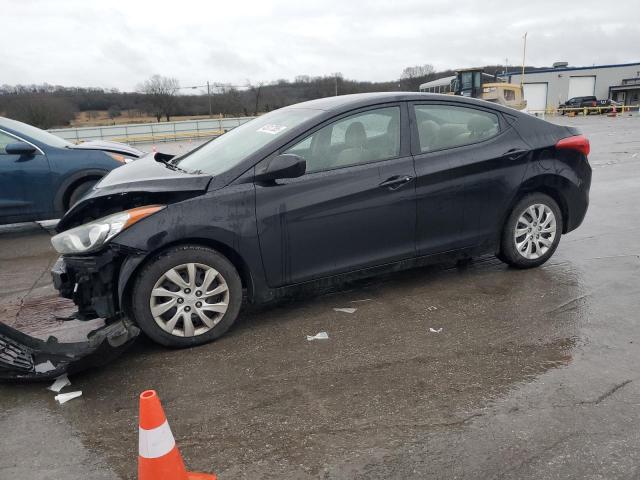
[[579, 143], [593, 104]]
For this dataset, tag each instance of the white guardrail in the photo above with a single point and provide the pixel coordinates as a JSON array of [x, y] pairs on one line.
[[152, 132]]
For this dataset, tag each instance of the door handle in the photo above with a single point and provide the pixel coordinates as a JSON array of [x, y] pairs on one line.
[[514, 153], [395, 182]]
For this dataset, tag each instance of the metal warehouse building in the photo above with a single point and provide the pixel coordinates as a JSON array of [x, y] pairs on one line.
[[547, 88]]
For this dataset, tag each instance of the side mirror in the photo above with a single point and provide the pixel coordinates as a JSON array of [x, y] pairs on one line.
[[19, 148], [282, 166]]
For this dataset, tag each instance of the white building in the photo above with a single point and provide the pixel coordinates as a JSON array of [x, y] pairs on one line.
[[547, 88]]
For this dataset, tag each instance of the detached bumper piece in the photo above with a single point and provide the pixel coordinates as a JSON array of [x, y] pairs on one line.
[[23, 357]]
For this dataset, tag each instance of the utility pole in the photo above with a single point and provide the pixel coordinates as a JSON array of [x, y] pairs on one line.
[[336, 78], [209, 95], [524, 53]]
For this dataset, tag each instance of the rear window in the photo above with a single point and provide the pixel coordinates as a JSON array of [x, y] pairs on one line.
[[448, 126]]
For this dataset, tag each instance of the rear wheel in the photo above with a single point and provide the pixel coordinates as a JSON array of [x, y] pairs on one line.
[[532, 231], [188, 295]]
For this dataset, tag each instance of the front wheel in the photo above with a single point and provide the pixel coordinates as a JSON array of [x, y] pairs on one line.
[[186, 296], [532, 231]]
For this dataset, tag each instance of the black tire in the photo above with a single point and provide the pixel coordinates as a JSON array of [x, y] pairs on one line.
[[155, 269], [78, 192], [509, 252]]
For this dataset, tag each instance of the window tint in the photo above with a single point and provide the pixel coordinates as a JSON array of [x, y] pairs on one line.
[[365, 137], [446, 126], [4, 141]]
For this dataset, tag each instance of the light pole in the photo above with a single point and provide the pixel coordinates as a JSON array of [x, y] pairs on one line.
[[209, 95], [524, 53]]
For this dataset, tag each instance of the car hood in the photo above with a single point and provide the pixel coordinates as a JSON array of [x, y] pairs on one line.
[[143, 182], [107, 146]]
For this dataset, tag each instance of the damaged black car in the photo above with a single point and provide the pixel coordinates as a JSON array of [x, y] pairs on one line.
[[326, 190]]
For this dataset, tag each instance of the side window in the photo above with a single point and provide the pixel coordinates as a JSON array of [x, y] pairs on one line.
[[447, 126], [4, 141], [509, 94], [365, 137]]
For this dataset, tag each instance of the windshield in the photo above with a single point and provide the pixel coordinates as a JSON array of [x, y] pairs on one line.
[[228, 150], [36, 134]]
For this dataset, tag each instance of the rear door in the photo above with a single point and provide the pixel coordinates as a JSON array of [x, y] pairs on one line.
[[469, 163], [355, 206], [25, 183]]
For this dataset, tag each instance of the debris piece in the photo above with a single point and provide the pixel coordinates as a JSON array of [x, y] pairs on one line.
[[65, 397], [363, 300], [44, 367], [61, 382], [345, 310], [318, 336], [432, 308], [435, 330]]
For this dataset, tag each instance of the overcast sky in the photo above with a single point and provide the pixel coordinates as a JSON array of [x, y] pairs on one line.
[[118, 44]]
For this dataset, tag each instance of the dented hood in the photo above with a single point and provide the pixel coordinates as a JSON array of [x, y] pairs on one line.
[[151, 175], [147, 180]]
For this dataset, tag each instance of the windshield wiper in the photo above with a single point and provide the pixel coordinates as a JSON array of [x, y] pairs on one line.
[[167, 160]]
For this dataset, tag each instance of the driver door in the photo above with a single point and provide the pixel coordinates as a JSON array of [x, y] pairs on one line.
[[354, 207], [25, 184]]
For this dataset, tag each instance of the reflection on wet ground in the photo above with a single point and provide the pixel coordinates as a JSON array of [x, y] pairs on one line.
[[532, 376]]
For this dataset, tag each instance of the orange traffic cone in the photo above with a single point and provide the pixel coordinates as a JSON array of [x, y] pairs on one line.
[[158, 455]]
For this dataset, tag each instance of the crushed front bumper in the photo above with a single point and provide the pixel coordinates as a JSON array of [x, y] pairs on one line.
[[23, 357], [89, 282]]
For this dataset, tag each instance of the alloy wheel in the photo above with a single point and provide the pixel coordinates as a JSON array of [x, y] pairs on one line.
[[189, 299], [535, 231]]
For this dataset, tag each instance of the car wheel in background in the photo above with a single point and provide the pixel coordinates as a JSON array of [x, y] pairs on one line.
[[78, 192], [186, 296], [532, 232]]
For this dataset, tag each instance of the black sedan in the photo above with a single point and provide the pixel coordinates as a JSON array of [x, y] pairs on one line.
[[42, 175], [326, 190]]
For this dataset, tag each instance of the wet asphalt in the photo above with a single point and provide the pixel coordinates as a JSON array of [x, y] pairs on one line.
[[534, 375]]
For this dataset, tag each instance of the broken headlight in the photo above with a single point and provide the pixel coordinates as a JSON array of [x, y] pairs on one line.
[[93, 235]]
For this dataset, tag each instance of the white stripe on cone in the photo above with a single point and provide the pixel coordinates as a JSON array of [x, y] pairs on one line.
[[156, 442]]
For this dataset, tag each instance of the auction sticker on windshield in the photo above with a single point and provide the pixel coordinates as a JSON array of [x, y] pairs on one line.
[[272, 128]]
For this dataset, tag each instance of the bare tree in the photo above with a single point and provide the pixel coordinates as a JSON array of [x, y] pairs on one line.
[[162, 95], [256, 90], [412, 77]]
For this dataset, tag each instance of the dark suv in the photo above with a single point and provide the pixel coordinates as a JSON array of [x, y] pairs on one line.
[[335, 188]]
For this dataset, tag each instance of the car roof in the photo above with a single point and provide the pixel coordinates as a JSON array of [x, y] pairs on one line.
[[348, 102]]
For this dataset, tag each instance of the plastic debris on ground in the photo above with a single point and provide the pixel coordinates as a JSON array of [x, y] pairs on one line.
[[44, 367], [345, 310], [432, 308], [318, 336], [65, 397], [435, 330], [60, 382]]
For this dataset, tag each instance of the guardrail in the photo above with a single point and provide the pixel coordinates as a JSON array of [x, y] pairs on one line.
[[152, 132]]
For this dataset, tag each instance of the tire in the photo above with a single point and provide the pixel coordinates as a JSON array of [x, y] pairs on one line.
[[78, 192], [188, 329], [526, 215]]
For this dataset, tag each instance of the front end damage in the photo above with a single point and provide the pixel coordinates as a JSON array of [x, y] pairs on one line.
[[95, 281], [89, 282]]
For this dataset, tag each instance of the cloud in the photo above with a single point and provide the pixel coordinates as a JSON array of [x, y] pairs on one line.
[[121, 43]]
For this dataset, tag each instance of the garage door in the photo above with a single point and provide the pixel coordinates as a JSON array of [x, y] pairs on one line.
[[581, 86], [536, 96]]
